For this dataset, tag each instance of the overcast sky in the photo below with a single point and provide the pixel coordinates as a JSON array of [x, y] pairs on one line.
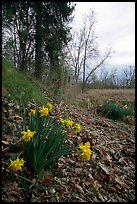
[[115, 28]]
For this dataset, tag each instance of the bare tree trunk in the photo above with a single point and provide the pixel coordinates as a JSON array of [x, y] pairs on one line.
[[38, 41]]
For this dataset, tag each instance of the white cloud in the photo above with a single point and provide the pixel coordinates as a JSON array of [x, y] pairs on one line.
[[115, 28]]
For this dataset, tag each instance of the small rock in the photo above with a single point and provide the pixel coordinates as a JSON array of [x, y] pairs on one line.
[[78, 170], [52, 190]]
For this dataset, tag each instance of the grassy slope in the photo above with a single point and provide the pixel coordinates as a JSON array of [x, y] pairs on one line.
[[16, 86]]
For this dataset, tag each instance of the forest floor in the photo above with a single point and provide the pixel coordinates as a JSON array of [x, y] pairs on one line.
[[108, 177]]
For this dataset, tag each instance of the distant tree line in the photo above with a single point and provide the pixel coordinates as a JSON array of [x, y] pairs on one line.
[[113, 79]]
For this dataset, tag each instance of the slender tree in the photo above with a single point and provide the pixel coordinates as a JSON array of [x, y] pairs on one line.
[[129, 77], [38, 40], [18, 22], [84, 52]]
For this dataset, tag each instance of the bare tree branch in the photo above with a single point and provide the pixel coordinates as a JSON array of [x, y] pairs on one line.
[[102, 61]]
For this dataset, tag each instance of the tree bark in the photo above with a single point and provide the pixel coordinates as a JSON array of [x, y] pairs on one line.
[[38, 41]]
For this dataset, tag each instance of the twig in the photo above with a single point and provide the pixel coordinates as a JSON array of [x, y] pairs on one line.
[[6, 149], [24, 178], [50, 195], [87, 192], [59, 183]]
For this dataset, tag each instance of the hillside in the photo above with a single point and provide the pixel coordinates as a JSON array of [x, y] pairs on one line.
[[18, 87], [109, 176]]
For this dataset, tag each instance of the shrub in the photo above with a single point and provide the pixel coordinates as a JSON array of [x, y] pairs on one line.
[[113, 111]]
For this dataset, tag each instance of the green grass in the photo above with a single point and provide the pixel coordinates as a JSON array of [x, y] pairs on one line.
[[113, 111], [16, 86]]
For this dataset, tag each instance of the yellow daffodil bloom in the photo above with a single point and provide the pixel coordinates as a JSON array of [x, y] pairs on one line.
[[68, 123], [77, 128], [44, 112], [85, 150], [86, 154], [32, 111], [87, 145], [49, 105], [81, 146], [62, 122], [16, 165], [27, 135]]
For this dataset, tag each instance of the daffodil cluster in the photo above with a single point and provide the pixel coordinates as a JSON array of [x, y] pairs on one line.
[[68, 123], [85, 150], [46, 144], [16, 165], [43, 111], [27, 135]]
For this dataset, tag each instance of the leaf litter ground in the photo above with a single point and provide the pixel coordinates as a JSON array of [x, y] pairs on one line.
[[108, 177]]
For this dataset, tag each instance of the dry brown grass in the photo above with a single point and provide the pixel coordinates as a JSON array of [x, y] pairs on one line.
[[114, 94], [73, 93]]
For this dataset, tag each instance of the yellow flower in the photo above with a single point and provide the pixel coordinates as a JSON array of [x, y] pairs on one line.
[[62, 121], [77, 128], [86, 152], [32, 111], [81, 146], [16, 165], [68, 123], [44, 112], [27, 135], [49, 105], [87, 145]]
